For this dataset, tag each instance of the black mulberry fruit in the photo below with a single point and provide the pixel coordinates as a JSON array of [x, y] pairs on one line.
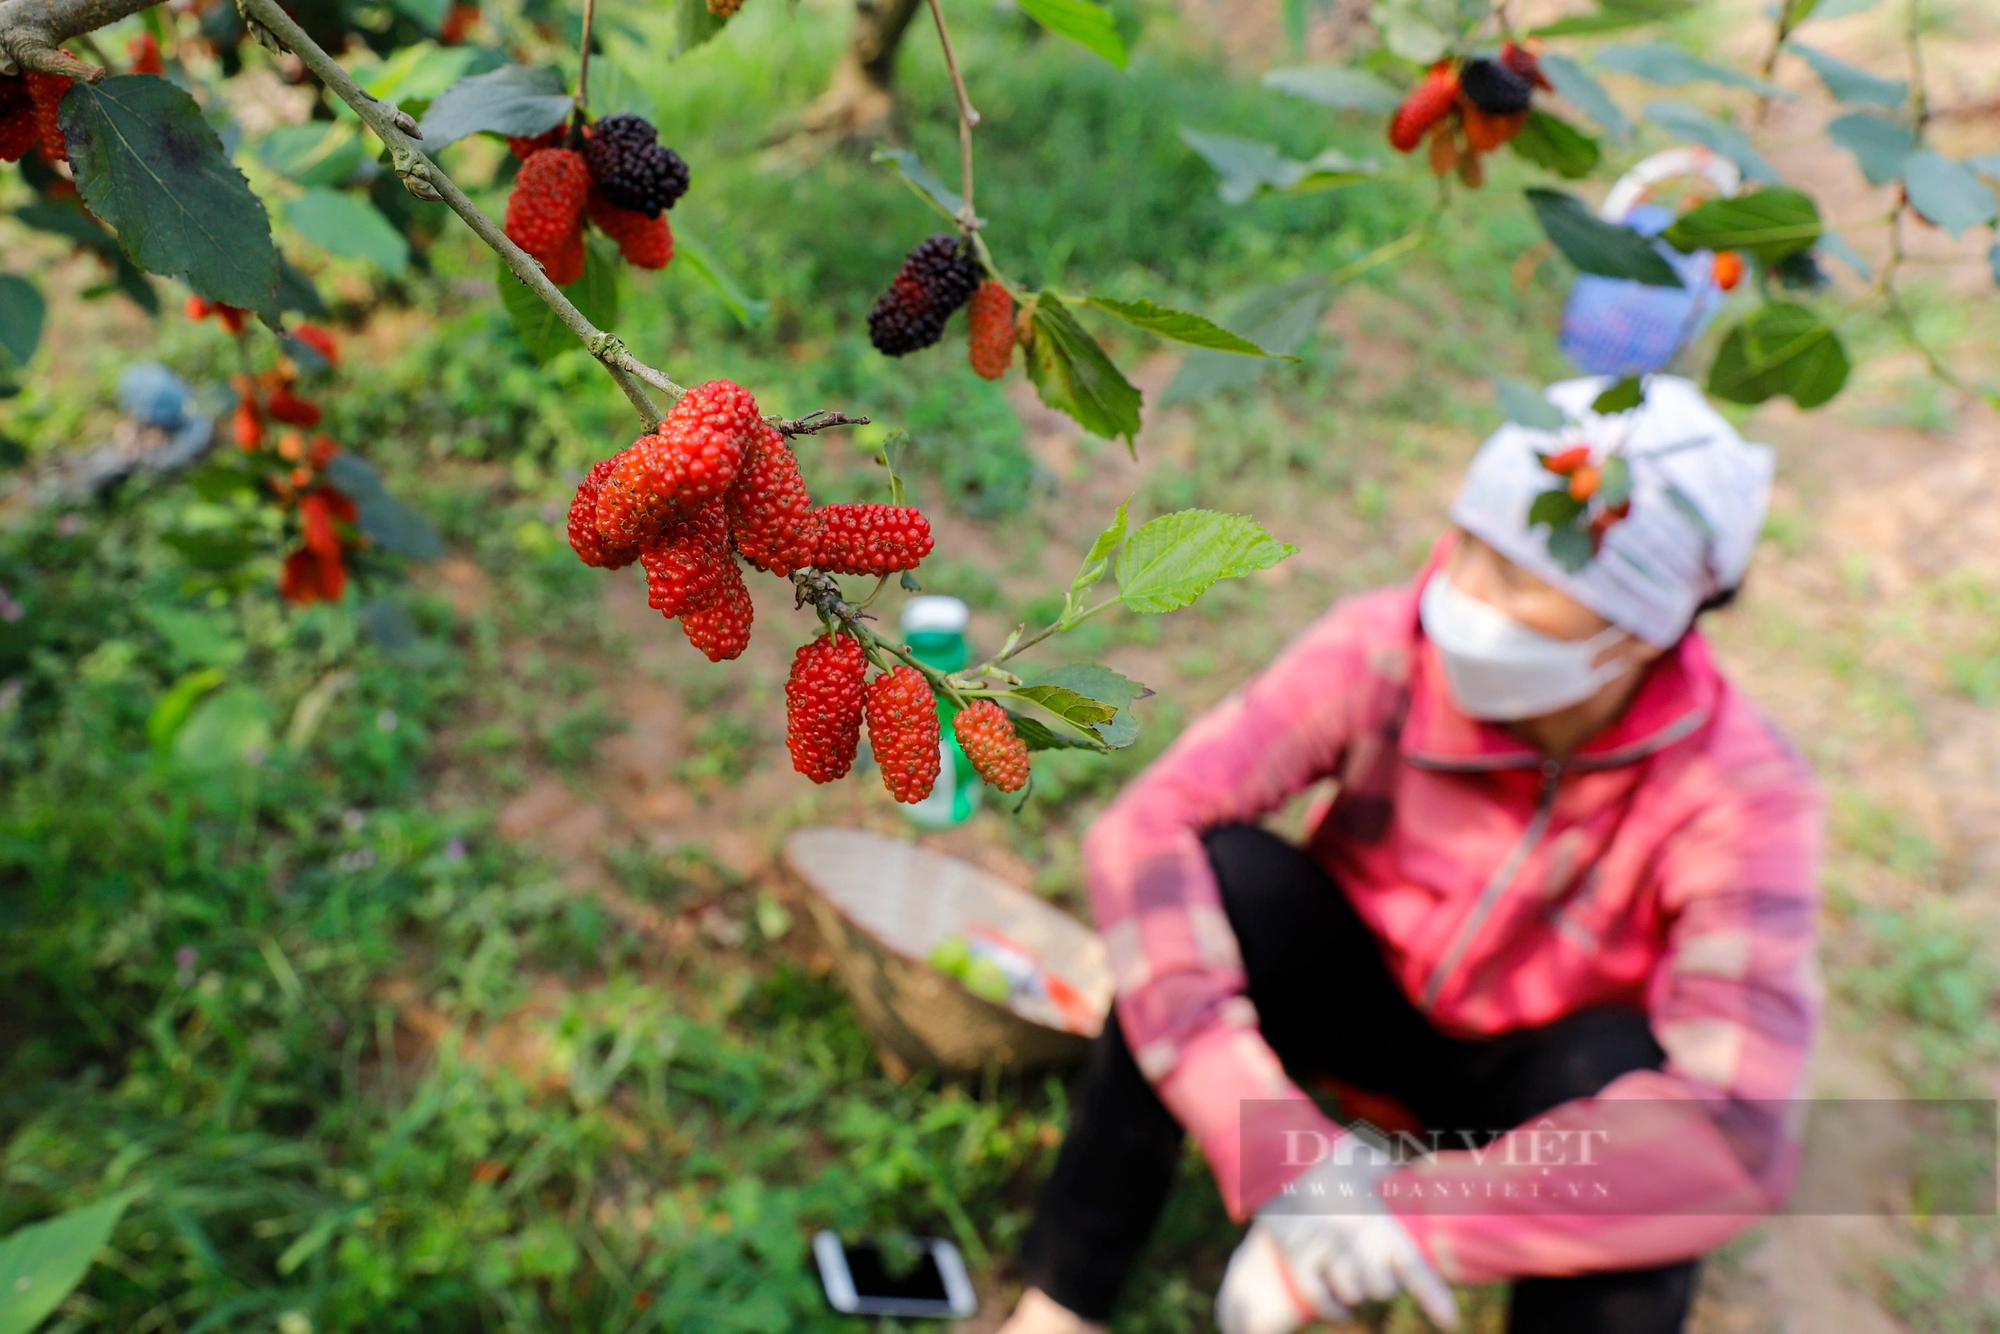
[[937, 278], [632, 168], [1493, 88]]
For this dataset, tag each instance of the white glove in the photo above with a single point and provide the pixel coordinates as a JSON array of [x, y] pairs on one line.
[[1259, 1293], [1293, 1267]]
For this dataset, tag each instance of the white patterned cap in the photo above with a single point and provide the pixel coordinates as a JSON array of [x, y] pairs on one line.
[[1699, 494]]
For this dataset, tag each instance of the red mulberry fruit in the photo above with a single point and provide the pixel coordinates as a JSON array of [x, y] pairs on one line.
[[545, 210], [632, 505], [690, 461], [722, 9], [632, 167], [769, 510], [646, 243], [823, 699], [992, 322], [903, 731], [721, 630], [457, 23], [143, 54], [246, 425], [47, 90], [1486, 131], [526, 147], [990, 742], [319, 340], [1524, 62], [289, 408], [18, 129], [1493, 88], [706, 434], [1566, 461], [232, 318], [688, 563], [566, 265], [871, 539], [584, 539], [936, 278], [1428, 103]]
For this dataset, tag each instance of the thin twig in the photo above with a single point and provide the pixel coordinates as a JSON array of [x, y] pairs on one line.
[[583, 61], [1778, 38], [1016, 648], [425, 179], [814, 422], [968, 218], [1382, 254]]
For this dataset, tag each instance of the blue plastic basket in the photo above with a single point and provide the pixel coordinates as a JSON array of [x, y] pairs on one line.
[[1613, 326]]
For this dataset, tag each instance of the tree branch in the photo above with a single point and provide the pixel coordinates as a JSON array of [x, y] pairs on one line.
[[32, 33], [426, 180], [967, 118]]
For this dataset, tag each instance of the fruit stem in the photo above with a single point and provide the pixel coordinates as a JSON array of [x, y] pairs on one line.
[[881, 583], [819, 419], [824, 594], [968, 219], [583, 61]]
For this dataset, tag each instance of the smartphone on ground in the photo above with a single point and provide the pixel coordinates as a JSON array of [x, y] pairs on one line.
[[922, 1277]]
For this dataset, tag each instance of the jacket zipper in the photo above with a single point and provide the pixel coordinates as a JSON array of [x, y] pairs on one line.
[[1497, 884]]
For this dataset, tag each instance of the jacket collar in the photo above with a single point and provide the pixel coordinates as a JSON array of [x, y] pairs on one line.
[[1677, 697]]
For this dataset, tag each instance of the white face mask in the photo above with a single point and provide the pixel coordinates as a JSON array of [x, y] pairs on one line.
[[1502, 671]]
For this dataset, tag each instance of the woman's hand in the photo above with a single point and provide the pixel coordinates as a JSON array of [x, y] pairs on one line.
[[1295, 1267]]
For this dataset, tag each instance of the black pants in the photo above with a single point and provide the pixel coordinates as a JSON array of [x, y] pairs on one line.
[[1327, 1003]]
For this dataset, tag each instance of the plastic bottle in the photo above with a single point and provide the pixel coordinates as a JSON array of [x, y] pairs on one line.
[[934, 628]]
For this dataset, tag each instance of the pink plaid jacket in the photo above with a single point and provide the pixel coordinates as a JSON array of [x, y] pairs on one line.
[[1671, 864]]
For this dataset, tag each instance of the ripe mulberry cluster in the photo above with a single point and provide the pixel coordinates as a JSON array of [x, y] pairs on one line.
[[991, 323], [936, 279], [273, 396], [715, 481], [823, 702], [903, 732], [622, 181], [991, 743], [1468, 109], [632, 167], [293, 467], [1583, 481]]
